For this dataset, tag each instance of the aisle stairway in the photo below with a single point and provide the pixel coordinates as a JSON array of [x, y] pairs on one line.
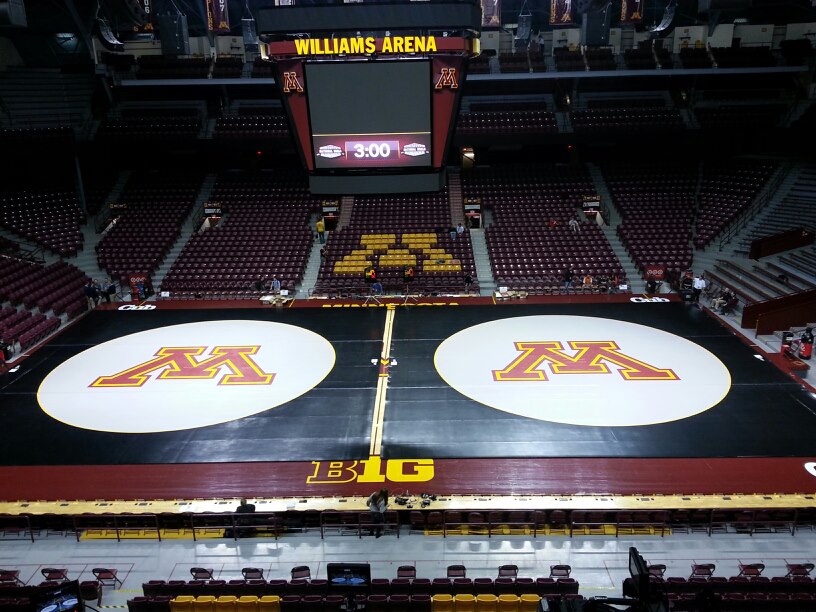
[[484, 274], [187, 229], [610, 231]]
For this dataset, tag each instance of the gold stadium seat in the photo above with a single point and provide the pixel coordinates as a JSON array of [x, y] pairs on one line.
[[225, 603], [442, 602], [269, 603], [508, 603], [486, 602], [528, 602], [464, 602], [247, 603], [182, 603], [204, 603]]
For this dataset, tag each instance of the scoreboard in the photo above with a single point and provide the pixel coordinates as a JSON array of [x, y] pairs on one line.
[[370, 114]]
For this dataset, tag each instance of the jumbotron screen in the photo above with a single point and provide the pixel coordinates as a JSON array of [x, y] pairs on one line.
[[370, 114]]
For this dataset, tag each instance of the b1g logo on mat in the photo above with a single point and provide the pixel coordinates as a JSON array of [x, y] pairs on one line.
[[582, 370], [186, 376]]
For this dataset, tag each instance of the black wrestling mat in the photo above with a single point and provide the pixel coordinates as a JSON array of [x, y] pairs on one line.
[[587, 380], [185, 386]]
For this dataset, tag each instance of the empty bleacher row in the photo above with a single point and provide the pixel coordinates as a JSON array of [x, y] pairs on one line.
[[727, 189], [264, 233], [530, 242], [146, 221], [49, 217], [656, 203], [57, 288], [245, 126], [627, 120], [506, 122]]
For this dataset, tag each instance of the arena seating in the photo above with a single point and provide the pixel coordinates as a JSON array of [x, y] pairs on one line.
[[640, 59], [264, 126], [227, 67], [796, 52], [56, 287], [506, 122], [627, 120], [264, 233], [743, 57], [390, 233], [656, 204], [525, 253], [45, 97], [568, 59], [600, 58], [514, 62], [695, 57], [479, 65], [263, 70], [162, 67], [149, 126], [727, 189], [151, 211], [664, 56], [739, 116], [50, 217]]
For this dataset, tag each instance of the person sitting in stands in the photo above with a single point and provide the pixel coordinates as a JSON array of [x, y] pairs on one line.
[[276, 285], [243, 508], [587, 281], [376, 287]]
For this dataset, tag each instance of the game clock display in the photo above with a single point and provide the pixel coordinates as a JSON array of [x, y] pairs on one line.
[[372, 151]]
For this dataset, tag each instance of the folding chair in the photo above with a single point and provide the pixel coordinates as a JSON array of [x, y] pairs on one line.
[[10, 577], [252, 573], [658, 570], [702, 570], [201, 573], [799, 569], [106, 576], [508, 571], [406, 571], [301, 571], [53, 573], [560, 571], [752, 570], [456, 571]]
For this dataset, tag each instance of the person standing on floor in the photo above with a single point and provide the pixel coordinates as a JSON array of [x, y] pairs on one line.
[[377, 504], [320, 227]]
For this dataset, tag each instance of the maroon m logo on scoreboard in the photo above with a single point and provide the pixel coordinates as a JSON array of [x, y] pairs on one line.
[[447, 78], [291, 83]]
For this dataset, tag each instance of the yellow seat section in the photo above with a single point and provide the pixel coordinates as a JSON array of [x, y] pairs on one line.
[[417, 238], [247, 603], [528, 602], [486, 602], [377, 240], [204, 603], [182, 603], [442, 602], [508, 603], [225, 603], [269, 603], [464, 602]]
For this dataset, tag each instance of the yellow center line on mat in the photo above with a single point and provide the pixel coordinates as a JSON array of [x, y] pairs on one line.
[[382, 384]]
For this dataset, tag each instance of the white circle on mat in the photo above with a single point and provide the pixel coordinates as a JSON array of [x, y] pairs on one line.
[[582, 370], [186, 376]]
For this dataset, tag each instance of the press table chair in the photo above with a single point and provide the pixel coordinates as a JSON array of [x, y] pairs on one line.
[[201, 573], [106, 576]]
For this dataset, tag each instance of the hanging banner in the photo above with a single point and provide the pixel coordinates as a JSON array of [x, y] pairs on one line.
[[217, 16], [147, 7], [491, 13], [560, 12], [631, 11]]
